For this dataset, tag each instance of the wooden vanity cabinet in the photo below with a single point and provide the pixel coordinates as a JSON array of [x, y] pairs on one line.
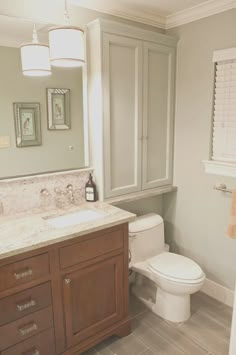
[[93, 299], [68, 297]]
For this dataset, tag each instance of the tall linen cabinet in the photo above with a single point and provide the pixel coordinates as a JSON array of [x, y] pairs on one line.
[[131, 83]]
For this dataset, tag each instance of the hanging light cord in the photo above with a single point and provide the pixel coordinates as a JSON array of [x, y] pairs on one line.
[[35, 36], [66, 14]]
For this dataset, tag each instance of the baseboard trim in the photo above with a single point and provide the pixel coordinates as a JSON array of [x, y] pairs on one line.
[[218, 292]]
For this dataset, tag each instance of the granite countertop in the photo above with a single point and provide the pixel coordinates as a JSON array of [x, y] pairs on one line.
[[26, 232]]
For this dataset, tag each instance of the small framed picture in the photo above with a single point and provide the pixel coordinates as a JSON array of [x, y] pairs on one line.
[[58, 102], [27, 124]]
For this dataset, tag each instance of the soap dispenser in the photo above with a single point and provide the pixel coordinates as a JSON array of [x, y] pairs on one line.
[[90, 190]]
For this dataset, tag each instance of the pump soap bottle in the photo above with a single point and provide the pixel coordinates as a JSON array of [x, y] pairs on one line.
[[90, 190]]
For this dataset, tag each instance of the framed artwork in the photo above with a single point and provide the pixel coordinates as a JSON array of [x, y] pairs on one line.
[[27, 124], [58, 102]]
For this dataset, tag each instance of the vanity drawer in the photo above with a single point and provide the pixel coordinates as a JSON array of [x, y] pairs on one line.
[[23, 271], [24, 328], [91, 248], [23, 303], [41, 344]]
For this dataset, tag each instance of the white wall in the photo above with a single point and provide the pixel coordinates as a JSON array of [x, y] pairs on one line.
[[197, 216]]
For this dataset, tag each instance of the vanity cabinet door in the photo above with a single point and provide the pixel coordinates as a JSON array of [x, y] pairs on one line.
[[93, 299], [122, 95], [158, 115]]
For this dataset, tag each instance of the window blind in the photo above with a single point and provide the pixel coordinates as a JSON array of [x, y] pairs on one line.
[[224, 115]]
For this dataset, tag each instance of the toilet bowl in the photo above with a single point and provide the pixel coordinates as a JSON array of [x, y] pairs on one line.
[[174, 276]]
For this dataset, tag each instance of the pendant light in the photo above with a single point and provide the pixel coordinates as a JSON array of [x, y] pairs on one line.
[[35, 58], [66, 44]]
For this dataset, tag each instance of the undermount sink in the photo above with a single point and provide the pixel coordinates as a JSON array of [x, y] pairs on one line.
[[74, 218]]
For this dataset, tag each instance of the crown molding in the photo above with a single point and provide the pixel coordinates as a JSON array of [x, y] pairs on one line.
[[147, 18], [209, 8]]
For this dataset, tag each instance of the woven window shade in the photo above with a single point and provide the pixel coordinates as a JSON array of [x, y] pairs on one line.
[[224, 116]]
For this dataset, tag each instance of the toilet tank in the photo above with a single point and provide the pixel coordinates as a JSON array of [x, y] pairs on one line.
[[146, 237]]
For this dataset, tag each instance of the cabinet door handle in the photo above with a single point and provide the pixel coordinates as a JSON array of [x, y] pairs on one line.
[[28, 329], [32, 351], [24, 273], [25, 305], [67, 281]]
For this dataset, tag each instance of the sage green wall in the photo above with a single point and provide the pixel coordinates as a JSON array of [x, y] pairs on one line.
[[144, 206], [197, 216], [54, 153]]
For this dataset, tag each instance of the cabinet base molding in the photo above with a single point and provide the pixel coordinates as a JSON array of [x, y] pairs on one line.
[[120, 329], [141, 194]]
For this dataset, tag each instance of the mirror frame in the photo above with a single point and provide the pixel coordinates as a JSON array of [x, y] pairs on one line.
[[85, 123]]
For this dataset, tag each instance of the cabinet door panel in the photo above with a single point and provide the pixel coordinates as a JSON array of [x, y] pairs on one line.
[[93, 299], [122, 114], [158, 98]]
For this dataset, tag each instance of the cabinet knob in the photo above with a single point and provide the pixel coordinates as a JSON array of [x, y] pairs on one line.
[[67, 281]]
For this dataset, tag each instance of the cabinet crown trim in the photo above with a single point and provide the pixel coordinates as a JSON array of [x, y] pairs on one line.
[[131, 31]]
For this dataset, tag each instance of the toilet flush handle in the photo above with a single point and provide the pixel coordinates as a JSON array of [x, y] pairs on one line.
[[132, 236]]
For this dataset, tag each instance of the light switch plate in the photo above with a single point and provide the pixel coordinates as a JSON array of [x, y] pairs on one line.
[[4, 141]]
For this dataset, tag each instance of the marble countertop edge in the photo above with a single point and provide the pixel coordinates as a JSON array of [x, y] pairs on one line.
[[33, 232]]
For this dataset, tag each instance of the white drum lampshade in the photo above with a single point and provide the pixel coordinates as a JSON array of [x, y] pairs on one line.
[[35, 59], [66, 46]]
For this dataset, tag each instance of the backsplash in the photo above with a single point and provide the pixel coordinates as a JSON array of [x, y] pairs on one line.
[[38, 193]]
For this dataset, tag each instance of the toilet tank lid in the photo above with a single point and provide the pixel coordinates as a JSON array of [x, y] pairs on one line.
[[145, 222]]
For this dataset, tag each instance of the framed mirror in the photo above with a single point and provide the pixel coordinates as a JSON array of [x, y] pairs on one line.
[[43, 120]]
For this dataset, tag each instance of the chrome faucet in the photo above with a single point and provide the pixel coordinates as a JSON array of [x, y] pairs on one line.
[[69, 192]]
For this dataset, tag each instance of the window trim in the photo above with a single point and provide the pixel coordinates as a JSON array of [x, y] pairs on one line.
[[221, 168], [217, 167]]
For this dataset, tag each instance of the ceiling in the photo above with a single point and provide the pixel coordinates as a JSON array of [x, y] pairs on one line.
[[160, 7], [160, 13], [165, 14], [15, 31]]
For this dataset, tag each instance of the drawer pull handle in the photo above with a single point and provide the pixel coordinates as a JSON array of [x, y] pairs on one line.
[[28, 304], [28, 329], [23, 274], [67, 281], [33, 351]]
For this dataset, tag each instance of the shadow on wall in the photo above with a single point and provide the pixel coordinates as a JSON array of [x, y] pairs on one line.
[[144, 206], [169, 213]]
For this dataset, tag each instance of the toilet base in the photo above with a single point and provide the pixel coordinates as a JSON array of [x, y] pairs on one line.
[[171, 307], [175, 308]]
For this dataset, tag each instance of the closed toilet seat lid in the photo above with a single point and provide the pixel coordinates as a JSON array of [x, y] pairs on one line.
[[174, 266]]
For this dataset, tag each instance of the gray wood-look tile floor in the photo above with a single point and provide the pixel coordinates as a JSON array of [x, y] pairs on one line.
[[206, 332]]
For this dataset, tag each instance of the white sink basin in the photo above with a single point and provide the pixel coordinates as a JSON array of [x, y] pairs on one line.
[[75, 218]]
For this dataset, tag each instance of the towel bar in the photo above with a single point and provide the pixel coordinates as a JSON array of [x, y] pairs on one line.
[[222, 187]]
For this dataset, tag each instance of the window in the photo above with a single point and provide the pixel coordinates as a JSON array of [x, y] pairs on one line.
[[223, 157]]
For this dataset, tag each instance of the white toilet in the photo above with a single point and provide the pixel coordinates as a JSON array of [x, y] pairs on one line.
[[174, 276]]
